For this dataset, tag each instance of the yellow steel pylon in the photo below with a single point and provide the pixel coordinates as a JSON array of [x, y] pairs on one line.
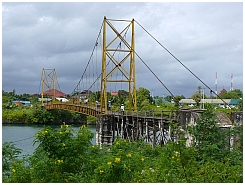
[[128, 74], [49, 82]]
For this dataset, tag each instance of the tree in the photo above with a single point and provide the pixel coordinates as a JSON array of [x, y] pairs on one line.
[[168, 98], [240, 105], [210, 140], [6, 100], [142, 95], [9, 156], [123, 93], [95, 96], [197, 96], [177, 100], [235, 94]]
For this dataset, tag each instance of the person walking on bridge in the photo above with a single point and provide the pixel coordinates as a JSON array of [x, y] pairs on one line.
[[122, 109]]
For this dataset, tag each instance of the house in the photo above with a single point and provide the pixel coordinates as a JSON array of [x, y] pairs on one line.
[[45, 99], [51, 92], [84, 94], [219, 102], [189, 102], [114, 93], [62, 99], [20, 102], [155, 99], [222, 91]]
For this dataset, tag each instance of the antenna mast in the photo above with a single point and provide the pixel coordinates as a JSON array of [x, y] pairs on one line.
[[216, 84]]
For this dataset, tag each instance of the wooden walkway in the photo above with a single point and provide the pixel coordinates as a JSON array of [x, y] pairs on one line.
[[153, 127]]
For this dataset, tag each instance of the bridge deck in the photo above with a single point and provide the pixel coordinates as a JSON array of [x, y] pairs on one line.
[[151, 126]]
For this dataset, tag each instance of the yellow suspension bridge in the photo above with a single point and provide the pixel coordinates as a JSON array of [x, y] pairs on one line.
[[117, 66]]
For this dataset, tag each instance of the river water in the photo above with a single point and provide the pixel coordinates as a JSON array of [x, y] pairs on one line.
[[23, 135]]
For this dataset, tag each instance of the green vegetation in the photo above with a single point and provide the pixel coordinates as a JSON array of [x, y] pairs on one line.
[[64, 155], [234, 94], [35, 114], [38, 115], [145, 101]]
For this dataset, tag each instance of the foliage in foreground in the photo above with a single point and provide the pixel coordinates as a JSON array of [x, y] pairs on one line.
[[64, 155]]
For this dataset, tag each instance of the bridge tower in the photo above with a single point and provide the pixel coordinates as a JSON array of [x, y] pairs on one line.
[[128, 73], [49, 83]]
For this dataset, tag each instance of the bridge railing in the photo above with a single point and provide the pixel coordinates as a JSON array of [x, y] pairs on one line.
[[147, 114], [92, 105]]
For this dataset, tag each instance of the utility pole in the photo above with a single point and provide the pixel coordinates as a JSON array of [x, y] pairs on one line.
[[203, 93], [152, 93]]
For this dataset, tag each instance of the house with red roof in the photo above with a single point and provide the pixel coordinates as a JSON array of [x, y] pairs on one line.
[[51, 92], [114, 93]]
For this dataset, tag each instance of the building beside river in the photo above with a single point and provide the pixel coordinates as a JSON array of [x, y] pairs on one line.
[[218, 102]]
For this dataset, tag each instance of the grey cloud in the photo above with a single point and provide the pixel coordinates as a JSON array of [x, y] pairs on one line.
[[206, 37]]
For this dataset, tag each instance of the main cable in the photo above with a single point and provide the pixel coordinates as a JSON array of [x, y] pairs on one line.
[[89, 58], [181, 63]]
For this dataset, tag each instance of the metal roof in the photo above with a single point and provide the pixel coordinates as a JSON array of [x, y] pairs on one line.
[[211, 101]]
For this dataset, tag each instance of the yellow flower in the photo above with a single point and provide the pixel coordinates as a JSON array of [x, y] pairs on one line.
[[43, 132], [172, 157], [128, 155], [63, 144], [109, 163], [124, 141], [67, 126], [13, 170], [101, 171], [117, 143], [142, 159], [66, 180], [117, 160], [67, 131], [60, 161], [61, 132], [36, 135], [93, 146]]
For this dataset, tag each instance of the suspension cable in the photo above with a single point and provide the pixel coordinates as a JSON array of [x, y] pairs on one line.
[[58, 85], [181, 62], [40, 85], [154, 74], [109, 60], [89, 58], [106, 66]]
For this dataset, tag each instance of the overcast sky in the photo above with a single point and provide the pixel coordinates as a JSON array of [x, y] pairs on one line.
[[206, 37]]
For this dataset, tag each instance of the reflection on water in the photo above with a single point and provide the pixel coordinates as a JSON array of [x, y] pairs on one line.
[[23, 135]]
